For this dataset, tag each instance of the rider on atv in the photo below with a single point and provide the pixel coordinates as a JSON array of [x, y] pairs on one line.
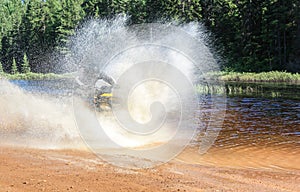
[[95, 84]]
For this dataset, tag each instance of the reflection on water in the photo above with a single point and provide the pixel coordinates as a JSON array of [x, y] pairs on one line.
[[260, 121], [259, 130], [265, 90]]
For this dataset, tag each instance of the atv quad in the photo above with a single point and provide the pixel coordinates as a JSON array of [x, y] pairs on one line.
[[103, 99], [88, 80], [103, 96]]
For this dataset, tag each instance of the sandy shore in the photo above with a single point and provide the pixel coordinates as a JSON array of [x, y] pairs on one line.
[[66, 170]]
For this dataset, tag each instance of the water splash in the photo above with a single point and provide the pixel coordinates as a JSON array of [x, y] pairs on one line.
[[155, 67], [113, 47], [35, 120]]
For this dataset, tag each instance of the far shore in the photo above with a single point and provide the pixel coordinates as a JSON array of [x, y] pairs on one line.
[[35, 76], [271, 77]]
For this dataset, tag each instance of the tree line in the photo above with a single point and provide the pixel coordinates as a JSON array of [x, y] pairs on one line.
[[251, 35]]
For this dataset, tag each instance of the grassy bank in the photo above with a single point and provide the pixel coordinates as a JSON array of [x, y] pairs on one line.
[[34, 76], [273, 76]]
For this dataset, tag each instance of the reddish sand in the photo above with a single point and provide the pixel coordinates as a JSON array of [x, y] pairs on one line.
[[54, 170]]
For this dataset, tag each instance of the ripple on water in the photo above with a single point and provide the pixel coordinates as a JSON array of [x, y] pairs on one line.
[[258, 132]]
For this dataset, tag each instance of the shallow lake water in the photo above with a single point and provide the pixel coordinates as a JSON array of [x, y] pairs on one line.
[[261, 126]]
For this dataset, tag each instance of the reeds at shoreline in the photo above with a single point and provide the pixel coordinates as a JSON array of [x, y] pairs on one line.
[[272, 76]]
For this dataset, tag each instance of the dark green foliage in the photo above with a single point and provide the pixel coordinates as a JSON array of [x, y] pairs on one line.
[[136, 9], [1, 68], [69, 15], [252, 35], [183, 11]]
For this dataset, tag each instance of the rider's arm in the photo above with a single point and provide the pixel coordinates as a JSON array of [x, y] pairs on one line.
[[78, 81], [106, 78]]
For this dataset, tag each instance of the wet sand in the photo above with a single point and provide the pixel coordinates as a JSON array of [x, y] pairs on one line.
[[23, 169]]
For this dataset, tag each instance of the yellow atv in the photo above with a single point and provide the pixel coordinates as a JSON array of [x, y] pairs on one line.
[[103, 96], [103, 101], [88, 79]]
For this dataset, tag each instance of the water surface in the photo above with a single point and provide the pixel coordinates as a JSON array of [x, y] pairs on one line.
[[261, 126]]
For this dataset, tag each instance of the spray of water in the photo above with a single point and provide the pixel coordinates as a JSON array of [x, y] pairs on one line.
[[155, 67], [34, 120]]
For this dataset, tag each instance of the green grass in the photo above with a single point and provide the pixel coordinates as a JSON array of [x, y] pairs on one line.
[[34, 76], [273, 76]]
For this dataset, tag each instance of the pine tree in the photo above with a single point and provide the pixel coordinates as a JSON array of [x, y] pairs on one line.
[[25, 67], [70, 16], [183, 11], [10, 18], [14, 68], [1, 68]]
